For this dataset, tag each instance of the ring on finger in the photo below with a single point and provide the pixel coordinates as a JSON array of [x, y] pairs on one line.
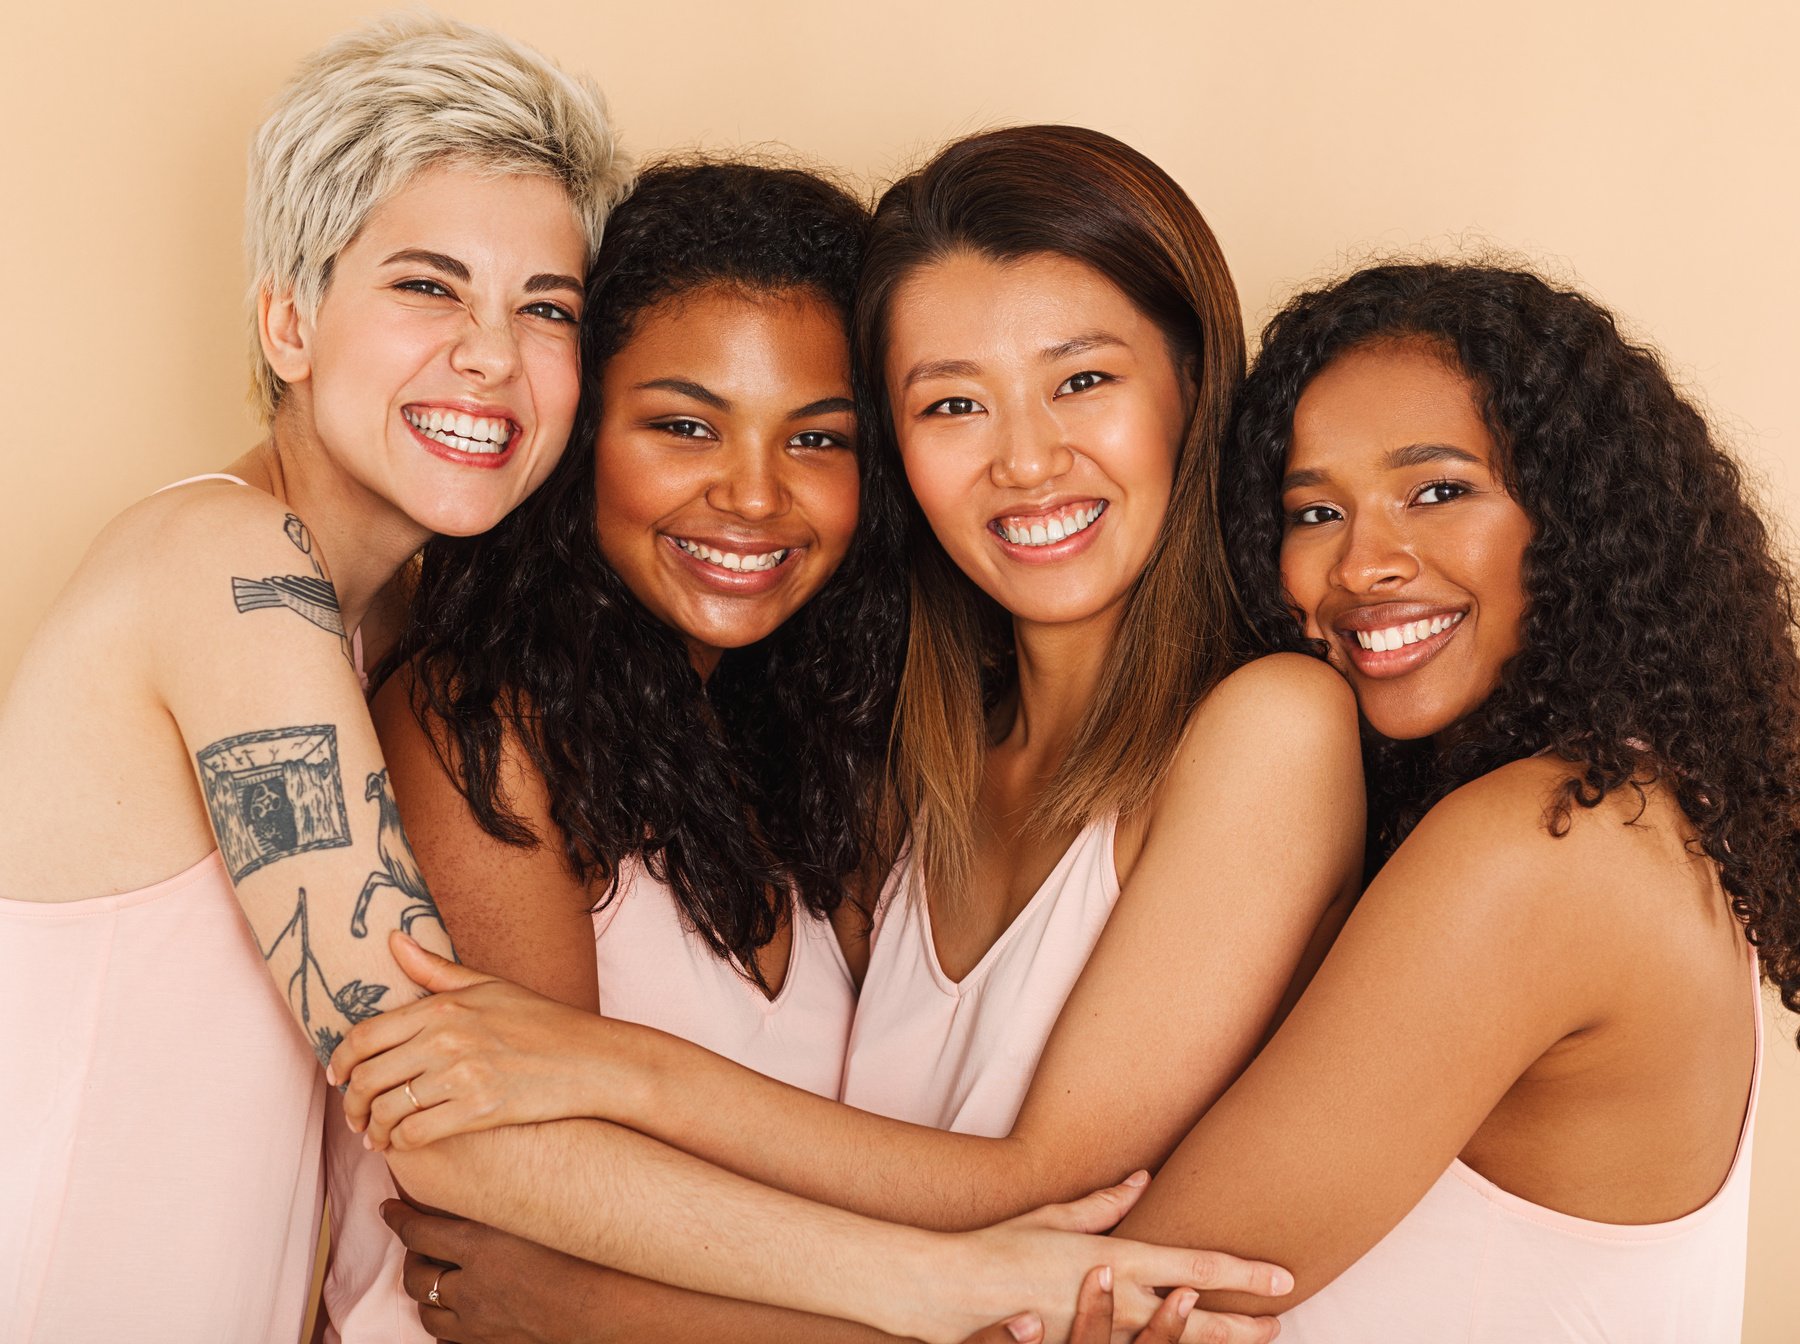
[[406, 1087], [432, 1296]]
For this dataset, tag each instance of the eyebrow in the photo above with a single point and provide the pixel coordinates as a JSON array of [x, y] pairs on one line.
[[682, 387], [939, 368], [450, 266], [1408, 455], [1079, 345], [824, 406]]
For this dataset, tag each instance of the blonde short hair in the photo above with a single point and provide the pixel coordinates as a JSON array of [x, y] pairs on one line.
[[371, 108]]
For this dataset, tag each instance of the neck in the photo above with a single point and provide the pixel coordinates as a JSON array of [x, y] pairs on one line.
[[361, 539], [1060, 667]]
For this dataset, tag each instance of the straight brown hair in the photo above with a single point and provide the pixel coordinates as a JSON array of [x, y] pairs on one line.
[[1076, 193]]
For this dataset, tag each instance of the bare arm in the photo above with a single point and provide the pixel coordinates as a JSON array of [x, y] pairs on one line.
[[248, 657], [1257, 829], [1468, 958], [515, 912]]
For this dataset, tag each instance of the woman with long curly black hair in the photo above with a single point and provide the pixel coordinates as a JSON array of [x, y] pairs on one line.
[[637, 727], [1516, 1101]]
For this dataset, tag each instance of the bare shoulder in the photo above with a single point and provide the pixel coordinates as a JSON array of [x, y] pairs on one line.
[[1491, 852], [201, 524], [1284, 715]]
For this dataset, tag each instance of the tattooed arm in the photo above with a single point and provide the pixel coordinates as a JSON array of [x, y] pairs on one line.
[[252, 666]]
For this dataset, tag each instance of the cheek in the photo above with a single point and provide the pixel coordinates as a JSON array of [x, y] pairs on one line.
[[938, 491], [833, 503], [1300, 583]]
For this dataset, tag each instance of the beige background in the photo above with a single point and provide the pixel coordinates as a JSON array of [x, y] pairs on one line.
[[1648, 150]]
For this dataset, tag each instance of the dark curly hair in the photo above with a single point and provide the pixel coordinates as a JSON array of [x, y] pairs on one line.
[[763, 777], [1659, 629]]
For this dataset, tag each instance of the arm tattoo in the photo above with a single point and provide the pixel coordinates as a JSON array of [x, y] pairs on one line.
[[309, 596], [274, 793], [399, 870], [353, 1001]]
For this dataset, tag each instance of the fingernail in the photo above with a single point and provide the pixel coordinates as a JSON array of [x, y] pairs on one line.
[[331, 1075], [1106, 1278], [366, 1142], [1138, 1178], [1026, 1329], [1282, 1282], [1184, 1303]]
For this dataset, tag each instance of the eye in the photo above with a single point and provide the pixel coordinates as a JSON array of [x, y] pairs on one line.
[[430, 287], [686, 429], [554, 312], [1440, 492], [953, 406], [1314, 514], [1081, 382], [817, 438]]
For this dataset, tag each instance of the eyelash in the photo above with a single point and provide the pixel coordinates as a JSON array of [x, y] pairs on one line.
[[936, 407], [1298, 518], [555, 312], [674, 429]]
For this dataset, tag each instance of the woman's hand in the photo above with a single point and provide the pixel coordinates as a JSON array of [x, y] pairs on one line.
[[1031, 1260], [494, 1288], [478, 1053], [1094, 1321]]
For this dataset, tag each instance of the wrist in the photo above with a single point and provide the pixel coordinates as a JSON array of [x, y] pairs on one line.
[[616, 1083], [918, 1277]]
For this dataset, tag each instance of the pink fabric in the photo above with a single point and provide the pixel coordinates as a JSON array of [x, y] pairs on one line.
[[364, 1301], [159, 1134], [960, 1055], [655, 970], [1472, 1264]]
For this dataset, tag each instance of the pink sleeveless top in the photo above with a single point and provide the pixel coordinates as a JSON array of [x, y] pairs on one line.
[[159, 1122], [959, 1055], [1472, 1264], [656, 970]]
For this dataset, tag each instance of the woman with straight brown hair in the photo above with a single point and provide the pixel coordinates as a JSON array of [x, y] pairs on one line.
[[1099, 785]]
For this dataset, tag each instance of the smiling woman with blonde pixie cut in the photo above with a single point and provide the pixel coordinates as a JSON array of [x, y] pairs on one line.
[[193, 807]]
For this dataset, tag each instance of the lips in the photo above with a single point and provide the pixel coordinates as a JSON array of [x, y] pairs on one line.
[[1054, 532], [735, 567], [1392, 642], [464, 433]]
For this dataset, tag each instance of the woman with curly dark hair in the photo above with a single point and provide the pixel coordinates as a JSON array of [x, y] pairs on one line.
[[1516, 1101]]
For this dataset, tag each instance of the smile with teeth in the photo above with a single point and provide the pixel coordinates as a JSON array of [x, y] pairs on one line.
[[1385, 641], [744, 564], [1048, 529], [464, 433]]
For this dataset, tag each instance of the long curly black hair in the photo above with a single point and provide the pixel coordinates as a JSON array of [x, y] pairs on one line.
[[1659, 630], [761, 778]]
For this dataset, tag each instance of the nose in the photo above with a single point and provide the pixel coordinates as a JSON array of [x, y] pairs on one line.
[[486, 352], [1032, 449], [751, 482], [1377, 555]]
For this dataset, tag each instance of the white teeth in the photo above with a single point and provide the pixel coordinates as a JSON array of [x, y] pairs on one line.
[[1411, 632], [465, 433], [1059, 527], [731, 560]]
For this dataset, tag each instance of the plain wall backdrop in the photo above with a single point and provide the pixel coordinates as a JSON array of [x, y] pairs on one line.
[[1647, 151]]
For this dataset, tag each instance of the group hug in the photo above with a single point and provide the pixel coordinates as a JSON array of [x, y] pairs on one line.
[[738, 766]]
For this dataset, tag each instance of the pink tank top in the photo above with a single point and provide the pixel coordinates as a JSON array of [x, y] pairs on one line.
[[959, 1055], [1472, 1264], [159, 1134], [657, 971]]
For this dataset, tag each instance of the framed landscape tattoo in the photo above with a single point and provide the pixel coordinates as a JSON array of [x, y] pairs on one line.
[[274, 793]]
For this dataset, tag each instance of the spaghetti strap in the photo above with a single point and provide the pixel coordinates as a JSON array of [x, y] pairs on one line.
[[205, 476]]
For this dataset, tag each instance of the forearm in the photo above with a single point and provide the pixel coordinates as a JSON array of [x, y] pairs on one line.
[[621, 1199], [633, 1308], [820, 1149]]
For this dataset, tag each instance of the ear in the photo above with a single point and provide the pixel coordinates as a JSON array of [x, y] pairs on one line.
[[285, 335]]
